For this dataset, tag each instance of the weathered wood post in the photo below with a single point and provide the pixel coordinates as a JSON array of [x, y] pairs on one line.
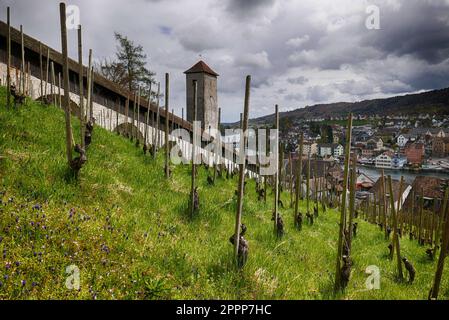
[[276, 176], [299, 178], [81, 84], [8, 59], [22, 73], [384, 204], [133, 117], [89, 89], [243, 139], [65, 64], [147, 123], [352, 191], [399, 208], [193, 186], [433, 295], [421, 212], [156, 139], [290, 162], [167, 108], [138, 118], [441, 222], [337, 285], [395, 231], [92, 94], [47, 74], [265, 179], [308, 185], [41, 67], [217, 158]]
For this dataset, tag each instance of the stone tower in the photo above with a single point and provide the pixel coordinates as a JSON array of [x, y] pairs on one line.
[[207, 109]]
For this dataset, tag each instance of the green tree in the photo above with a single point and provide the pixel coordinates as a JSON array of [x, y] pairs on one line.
[[129, 70]]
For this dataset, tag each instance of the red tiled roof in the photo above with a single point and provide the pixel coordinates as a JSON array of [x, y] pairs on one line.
[[201, 67]]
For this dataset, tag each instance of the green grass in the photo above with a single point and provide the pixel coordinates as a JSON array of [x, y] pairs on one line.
[[131, 238]]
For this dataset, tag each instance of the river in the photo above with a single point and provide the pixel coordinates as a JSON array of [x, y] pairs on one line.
[[409, 176]]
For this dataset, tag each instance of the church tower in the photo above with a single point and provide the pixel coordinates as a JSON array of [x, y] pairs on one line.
[[207, 108]]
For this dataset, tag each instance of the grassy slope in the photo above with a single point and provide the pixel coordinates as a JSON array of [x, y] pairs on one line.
[[131, 239]]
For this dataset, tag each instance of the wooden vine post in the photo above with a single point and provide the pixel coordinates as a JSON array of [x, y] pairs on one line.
[[8, 59], [81, 84], [243, 140], [308, 185], [298, 177], [443, 251], [192, 189], [384, 204], [395, 231], [167, 151], [47, 74], [216, 157], [276, 175], [65, 64], [337, 284], [22, 64], [89, 85], [352, 190], [41, 68], [156, 138]]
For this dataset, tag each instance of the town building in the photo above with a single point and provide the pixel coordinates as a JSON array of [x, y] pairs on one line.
[[384, 160], [440, 147], [414, 152]]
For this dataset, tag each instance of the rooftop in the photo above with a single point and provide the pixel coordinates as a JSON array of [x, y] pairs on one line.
[[202, 67]]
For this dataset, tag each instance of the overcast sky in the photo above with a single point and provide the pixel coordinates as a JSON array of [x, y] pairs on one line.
[[299, 52]]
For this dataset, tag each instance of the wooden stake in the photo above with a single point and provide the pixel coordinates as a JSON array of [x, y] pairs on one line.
[[193, 186], [47, 75], [92, 85], [243, 140], [8, 59], [41, 67], [167, 108], [395, 231], [384, 204], [308, 185], [156, 142], [147, 118], [81, 84], [276, 176], [291, 178], [337, 284], [22, 74], [299, 177], [352, 200], [443, 251], [421, 212], [89, 86], [65, 64]]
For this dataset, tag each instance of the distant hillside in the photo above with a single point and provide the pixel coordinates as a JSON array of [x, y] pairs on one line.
[[431, 102]]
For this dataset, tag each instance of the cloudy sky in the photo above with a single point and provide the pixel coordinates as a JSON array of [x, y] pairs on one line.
[[299, 52]]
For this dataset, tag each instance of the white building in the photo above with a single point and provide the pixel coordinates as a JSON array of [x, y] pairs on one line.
[[384, 161], [402, 140], [339, 151]]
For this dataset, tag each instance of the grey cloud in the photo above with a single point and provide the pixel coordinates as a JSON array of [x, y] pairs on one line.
[[298, 80], [319, 93]]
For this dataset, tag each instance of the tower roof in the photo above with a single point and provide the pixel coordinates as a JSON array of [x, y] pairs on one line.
[[201, 67]]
